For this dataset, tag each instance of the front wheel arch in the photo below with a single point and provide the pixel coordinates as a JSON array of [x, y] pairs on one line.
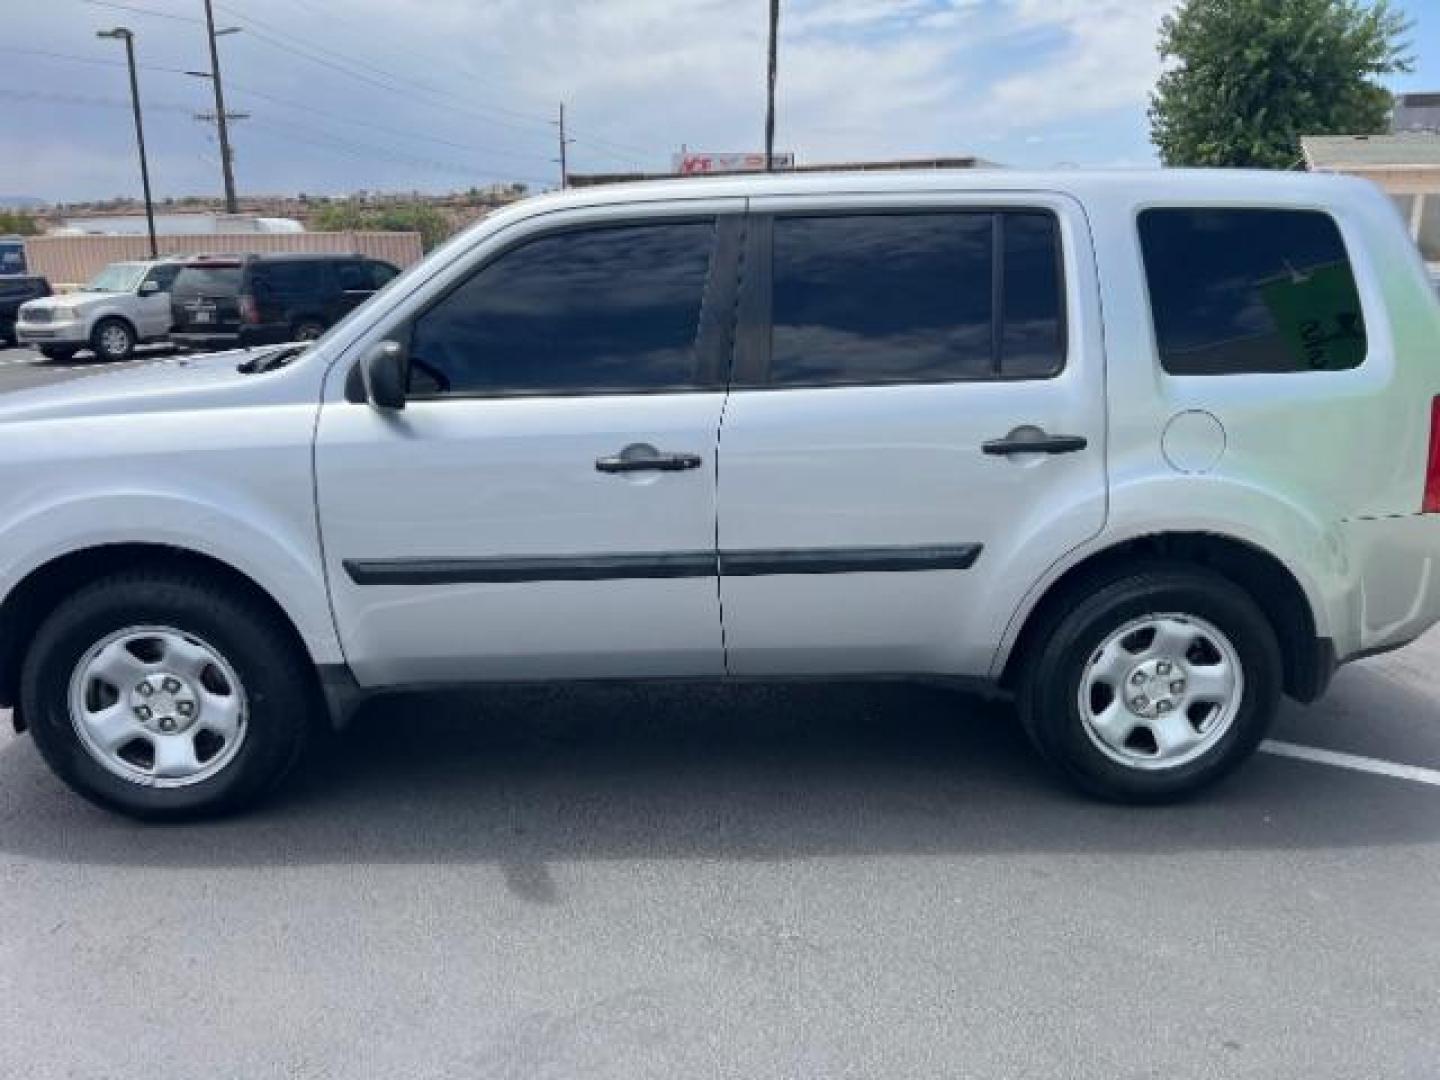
[[40, 591]]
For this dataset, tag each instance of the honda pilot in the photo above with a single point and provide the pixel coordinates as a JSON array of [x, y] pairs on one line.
[[1146, 452]]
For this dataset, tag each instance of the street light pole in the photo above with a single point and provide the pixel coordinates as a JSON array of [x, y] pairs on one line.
[[770, 89], [227, 167], [122, 34]]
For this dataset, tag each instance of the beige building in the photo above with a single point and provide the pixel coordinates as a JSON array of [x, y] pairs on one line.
[[1406, 165]]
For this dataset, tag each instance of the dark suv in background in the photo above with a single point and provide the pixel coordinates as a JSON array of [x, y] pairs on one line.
[[223, 301], [15, 289]]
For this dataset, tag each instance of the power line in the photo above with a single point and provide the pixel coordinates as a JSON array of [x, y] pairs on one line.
[[246, 91], [134, 9], [322, 139], [85, 59], [86, 100], [249, 91], [366, 73], [383, 79], [374, 74], [370, 152]]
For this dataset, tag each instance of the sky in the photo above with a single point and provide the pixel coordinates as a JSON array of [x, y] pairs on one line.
[[437, 95]]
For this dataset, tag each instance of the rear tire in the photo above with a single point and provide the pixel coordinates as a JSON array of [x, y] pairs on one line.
[[112, 340], [229, 696], [1152, 686]]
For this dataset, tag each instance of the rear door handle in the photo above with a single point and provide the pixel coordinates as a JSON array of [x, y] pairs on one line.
[[642, 457], [1038, 443]]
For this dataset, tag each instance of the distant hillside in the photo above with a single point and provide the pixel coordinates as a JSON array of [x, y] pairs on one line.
[[20, 202]]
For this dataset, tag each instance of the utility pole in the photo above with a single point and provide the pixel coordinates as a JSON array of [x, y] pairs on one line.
[[227, 166], [564, 142], [122, 34], [769, 88]]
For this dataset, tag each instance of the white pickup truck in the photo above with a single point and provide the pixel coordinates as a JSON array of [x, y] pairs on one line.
[[1146, 450], [123, 305]]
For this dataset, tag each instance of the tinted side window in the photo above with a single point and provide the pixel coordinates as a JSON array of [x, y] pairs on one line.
[[924, 297], [289, 278], [606, 309], [1236, 291], [354, 276], [381, 274], [882, 298], [1032, 328]]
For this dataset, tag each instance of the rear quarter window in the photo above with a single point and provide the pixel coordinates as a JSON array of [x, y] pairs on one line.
[[1250, 291]]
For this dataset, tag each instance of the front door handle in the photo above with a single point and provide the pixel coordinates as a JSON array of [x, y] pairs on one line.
[[642, 457], [1034, 441]]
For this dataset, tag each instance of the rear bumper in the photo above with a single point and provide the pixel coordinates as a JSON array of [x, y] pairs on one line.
[[209, 339], [276, 334], [1395, 575]]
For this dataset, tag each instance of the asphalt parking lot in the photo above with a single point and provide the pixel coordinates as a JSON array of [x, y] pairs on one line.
[[24, 368], [816, 881]]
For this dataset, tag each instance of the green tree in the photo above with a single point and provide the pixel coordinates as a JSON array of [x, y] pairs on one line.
[[429, 222], [1247, 78], [14, 223]]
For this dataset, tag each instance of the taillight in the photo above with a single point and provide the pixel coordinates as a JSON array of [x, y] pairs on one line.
[[1432, 470], [248, 312]]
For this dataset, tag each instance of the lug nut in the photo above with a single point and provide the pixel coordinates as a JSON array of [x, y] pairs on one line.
[[1163, 667], [167, 723], [145, 689], [144, 712], [171, 685], [1141, 702], [1178, 686], [1163, 706], [1138, 679], [184, 708]]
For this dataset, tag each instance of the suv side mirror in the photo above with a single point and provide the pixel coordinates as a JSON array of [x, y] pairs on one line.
[[386, 372], [149, 288]]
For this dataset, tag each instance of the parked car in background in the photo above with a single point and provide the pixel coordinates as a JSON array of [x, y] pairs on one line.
[[224, 301], [123, 305], [16, 289], [1146, 450], [12, 255]]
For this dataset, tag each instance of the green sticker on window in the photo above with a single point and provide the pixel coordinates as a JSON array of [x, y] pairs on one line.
[[1318, 314]]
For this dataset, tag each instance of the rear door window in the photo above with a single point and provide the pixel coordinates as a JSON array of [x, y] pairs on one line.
[[1249, 291], [286, 278], [875, 298]]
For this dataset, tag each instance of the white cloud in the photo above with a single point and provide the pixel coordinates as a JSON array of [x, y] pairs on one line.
[[858, 78], [1108, 58]]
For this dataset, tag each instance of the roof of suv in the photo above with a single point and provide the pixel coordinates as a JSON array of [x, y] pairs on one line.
[[1213, 184], [223, 259]]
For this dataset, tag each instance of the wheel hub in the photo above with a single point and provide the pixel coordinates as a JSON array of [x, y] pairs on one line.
[[1155, 687], [165, 703]]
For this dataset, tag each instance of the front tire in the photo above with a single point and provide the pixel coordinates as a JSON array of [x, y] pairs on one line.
[[1153, 685], [113, 340], [167, 697]]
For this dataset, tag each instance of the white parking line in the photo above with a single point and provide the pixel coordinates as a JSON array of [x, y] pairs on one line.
[[1352, 761]]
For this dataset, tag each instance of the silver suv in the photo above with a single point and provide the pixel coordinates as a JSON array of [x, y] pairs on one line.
[[1146, 451], [123, 305]]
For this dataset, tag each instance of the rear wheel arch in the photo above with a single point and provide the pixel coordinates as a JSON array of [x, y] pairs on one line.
[[31, 601], [1274, 587]]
